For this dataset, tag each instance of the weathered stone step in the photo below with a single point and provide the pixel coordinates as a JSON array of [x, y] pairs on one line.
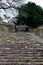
[[18, 63], [21, 60], [21, 45], [26, 48], [21, 49]]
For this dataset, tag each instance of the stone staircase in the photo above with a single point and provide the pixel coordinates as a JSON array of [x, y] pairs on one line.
[[23, 49]]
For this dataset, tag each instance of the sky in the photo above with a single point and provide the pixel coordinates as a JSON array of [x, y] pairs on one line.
[[10, 13], [38, 2]]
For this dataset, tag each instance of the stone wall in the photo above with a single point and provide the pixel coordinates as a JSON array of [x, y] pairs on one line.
[[40, 31], [3, 29], [7, 28]]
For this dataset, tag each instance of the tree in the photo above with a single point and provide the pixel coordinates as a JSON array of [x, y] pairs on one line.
[[30, 14], [20, 20]]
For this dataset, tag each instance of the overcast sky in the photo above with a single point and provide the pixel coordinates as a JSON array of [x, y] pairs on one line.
[[38, 2], [10, 13]]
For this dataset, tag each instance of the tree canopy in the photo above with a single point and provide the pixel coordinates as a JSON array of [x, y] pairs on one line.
[[30, 14]]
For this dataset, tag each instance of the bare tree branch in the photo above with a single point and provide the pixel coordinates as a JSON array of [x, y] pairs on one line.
[[4, 6], [9, 7]]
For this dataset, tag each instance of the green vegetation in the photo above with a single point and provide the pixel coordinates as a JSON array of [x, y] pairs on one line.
[[30, 14]]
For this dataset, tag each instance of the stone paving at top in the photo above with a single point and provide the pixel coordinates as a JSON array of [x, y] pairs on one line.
[[21, 48]]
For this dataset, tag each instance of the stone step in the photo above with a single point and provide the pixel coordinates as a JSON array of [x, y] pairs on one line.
[[23, 63], [21, 51]]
